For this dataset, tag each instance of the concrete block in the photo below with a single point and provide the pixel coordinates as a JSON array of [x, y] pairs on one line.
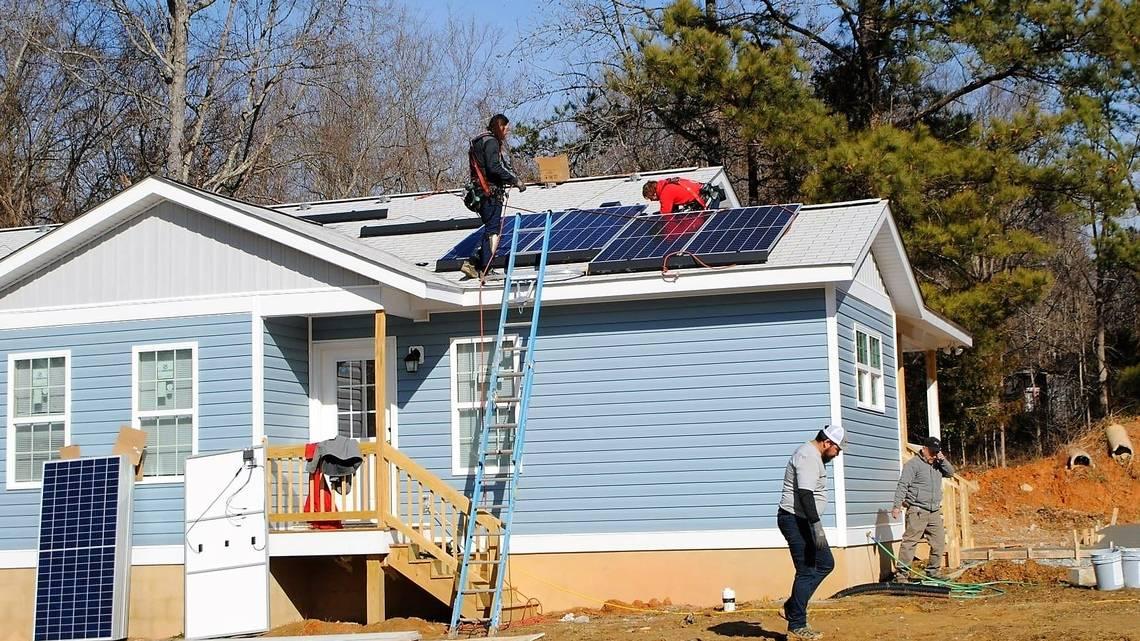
[[1083, 577]]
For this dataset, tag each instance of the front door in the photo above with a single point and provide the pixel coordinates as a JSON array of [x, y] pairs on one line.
[[345, 382]]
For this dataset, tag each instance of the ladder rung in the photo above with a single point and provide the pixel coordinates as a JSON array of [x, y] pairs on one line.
[[493, 506], [504, 426], [520, 348], [478, 591], [499, 452], [517, 324], [509, 399], [510, 374], [478, 562]]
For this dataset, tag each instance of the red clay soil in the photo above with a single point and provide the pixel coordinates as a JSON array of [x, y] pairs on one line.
[[1059, 498], [313, 627], [1024, 572]]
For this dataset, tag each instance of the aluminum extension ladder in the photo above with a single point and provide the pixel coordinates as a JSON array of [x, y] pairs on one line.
[[495, 488]]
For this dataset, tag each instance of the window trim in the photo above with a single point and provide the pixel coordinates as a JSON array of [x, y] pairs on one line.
[[10, 482], [457, 467], [136, 419], [878, 404]]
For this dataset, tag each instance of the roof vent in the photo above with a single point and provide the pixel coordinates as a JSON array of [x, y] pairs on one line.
[[304, 206], [634, 177], [383, 199], [549, 185]]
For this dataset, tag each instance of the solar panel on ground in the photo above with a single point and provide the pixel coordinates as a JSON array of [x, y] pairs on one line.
[[83, 568], [744, 235], [647, 241]]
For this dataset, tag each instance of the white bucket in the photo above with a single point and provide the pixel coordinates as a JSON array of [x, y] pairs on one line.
[[1130, 564], [728, 597], [1109, 570]]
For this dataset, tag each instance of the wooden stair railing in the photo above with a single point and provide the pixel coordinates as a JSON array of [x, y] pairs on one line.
[[427, 515]]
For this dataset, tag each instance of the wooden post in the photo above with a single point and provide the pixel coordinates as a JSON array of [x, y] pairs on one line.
[[375, 589], [900, 386], [933, 424], [383, 480]]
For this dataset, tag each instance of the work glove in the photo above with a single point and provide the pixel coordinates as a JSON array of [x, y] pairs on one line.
[[817, 535], [521, 185]]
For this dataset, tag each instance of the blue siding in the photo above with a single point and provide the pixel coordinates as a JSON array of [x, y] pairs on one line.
[[871, 461], [101, 403], [287, 379], [646, 416]]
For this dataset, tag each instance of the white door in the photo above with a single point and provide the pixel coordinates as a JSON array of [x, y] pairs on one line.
[[345, 383]]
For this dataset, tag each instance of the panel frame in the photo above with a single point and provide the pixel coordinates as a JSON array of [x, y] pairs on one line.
[[673, 260], [121, 550]]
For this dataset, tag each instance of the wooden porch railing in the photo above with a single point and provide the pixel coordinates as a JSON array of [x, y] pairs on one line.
[[389, 491]]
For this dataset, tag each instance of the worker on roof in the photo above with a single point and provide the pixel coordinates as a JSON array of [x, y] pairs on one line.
[[802, 502], [675, 194], [491, 176], [920, 492]]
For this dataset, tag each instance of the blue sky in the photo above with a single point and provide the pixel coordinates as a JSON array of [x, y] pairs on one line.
[[515, 17]]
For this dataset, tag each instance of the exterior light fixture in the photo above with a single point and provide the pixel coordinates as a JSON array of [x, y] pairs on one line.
[[413, 359]]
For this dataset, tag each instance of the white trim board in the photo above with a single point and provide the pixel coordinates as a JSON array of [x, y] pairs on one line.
[[140, 555], [839, 481], [307, 302], [330, 543]]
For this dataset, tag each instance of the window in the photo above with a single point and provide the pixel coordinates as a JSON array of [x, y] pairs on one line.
[[869, 369], [356, 398], [470, 371], [39, 389], [166, 406]]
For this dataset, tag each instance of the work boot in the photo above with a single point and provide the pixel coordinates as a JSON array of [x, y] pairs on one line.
[[805, 632], [901, 577], [469, 270], [934, 573]]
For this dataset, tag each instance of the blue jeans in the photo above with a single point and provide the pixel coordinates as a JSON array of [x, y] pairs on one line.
[[491, 213], [812, 566]]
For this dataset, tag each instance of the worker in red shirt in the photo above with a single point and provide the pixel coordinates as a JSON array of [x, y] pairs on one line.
[[675, 194]]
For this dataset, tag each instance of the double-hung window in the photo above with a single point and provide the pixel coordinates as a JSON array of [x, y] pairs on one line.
[[869, 369], [39, 393], [470, 375], [166, 406]]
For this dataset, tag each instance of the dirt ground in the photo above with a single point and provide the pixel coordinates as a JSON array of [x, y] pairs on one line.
[[1041, 502], [1024, 613]]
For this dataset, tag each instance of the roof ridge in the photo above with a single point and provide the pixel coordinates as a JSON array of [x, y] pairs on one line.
[[418, 194]]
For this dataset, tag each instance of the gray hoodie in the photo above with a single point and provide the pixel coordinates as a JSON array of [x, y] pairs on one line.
[[921, 484]]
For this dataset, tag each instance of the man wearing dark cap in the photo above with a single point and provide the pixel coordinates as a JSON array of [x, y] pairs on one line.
[[920, 492]]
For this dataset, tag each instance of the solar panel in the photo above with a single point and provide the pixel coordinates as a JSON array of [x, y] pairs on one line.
[[647, 241], [83, 569], [579, 234], [531, 229], [744, 235]]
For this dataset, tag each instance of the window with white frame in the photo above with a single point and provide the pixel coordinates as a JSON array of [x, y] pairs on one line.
[[470, 374], [869, 369], [166, 406], [356, 398], [39, 389]]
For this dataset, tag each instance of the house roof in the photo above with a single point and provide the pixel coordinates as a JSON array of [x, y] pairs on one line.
[[13, 238], [824, 245]]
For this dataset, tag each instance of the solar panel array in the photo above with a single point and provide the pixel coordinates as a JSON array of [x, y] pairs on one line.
[[617, 239], [84, 550], [575, 235]]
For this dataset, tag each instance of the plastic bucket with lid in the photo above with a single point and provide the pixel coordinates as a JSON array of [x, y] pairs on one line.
[[1109, 569], [1130, 565]]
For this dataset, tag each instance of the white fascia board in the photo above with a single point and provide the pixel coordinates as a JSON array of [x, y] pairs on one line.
[[637, 286], [316, 302], [947, 328]]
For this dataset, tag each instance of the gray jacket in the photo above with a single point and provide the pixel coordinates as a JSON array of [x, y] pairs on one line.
[[921, 484]]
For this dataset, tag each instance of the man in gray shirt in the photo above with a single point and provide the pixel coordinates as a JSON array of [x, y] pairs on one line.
[[920, 492], [802, 501]]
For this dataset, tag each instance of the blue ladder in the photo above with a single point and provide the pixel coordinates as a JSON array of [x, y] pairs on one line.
[[494, 491]]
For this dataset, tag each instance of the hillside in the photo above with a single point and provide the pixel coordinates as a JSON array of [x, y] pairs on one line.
[[1040, 502]]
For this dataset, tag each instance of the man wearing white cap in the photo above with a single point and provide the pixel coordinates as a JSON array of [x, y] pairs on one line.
[[802, 501]]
